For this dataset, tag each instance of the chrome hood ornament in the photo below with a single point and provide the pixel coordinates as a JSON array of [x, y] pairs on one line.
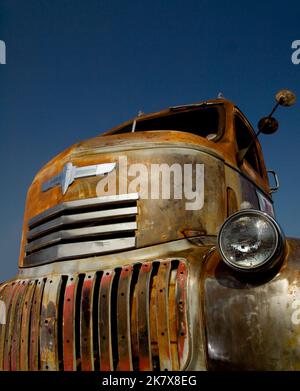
[[69, 173]]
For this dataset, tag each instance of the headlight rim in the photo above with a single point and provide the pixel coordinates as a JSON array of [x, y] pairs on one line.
[[276, 254]]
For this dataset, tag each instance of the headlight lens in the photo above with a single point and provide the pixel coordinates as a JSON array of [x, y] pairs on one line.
[[249, 240]]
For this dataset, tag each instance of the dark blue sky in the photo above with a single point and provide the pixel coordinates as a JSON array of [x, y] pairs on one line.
[[76, 68]]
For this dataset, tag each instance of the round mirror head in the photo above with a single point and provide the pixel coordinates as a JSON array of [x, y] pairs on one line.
[[285, 98], [268, 125]]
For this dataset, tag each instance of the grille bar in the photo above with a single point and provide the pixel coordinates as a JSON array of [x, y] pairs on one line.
[[162, 316], [123, 317], [133, 317], [34, 348], [89, 217], [79, 250], [79, 233], [69, 352], [86, 328], [79, 205], [143, 322], [104, 321], [9, 327], [82, 228], [15, 348], [25, 336]]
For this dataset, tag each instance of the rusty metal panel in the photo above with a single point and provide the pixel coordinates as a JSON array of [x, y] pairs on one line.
[[25, 329], [123, 319], [143, 318], [69, 348], [162, 316], [182, 320], [153, 324], [173, 320], [48, 324], [16, 336], [134, 330], [10, 325], [35, 326], [6, 296], [104, 321], [86, 323]]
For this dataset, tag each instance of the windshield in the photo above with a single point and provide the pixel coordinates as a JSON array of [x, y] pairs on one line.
[[203, 121]]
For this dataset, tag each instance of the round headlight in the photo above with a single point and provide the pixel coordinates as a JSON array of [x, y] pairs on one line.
[[250, 240]]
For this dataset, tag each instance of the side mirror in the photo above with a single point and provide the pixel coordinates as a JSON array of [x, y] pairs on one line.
[[269, 125], [285, 98]]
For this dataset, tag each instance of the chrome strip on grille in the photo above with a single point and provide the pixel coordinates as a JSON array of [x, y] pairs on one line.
[[82, 228], [81, 204], [78, 250], [80, 218], [102, 320]]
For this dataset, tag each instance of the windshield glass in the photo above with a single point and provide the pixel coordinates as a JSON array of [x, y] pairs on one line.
[[203, 121]]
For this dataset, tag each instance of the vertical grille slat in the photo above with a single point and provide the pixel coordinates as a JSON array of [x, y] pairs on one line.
[[6, 296], [104, 321], [16, 337], [173, 320], [143, 319], [25, 329], [35, 326], [123, 319], [182, 320], [9, 326], [162, 316], [86, 328], [48, 324], [133, 317], [69, 349]]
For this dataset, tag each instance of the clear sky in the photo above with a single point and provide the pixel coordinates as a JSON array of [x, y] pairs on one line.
[[76, 68]]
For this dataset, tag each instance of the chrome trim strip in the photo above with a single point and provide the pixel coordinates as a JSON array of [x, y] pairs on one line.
[[80, 218], [79, 233], [80, 204], [77, 250]]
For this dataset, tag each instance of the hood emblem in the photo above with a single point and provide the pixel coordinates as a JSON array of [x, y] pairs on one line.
[[69, 173]]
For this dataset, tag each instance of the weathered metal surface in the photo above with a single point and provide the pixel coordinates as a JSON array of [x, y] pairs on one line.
[[104, 321], [6, 297], [253, 324], [69, 307], [10, 326], [142, 309], [73, 321], [80, 218], [123, 319], [143, 351], [79, 234], [49, 324], [146, 147], [16, 335], [35, 326], [183, 339], [173, 326], [80, 249], [25, 329], [86, 322], [162, 316]]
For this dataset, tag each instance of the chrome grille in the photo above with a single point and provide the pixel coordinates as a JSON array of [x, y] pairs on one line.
[[82, 228], [133, 317]]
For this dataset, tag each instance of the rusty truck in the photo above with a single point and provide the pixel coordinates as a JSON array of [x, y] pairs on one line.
[[118, 280]]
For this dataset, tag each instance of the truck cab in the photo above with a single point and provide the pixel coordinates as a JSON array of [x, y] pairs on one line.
[[154, 246]]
